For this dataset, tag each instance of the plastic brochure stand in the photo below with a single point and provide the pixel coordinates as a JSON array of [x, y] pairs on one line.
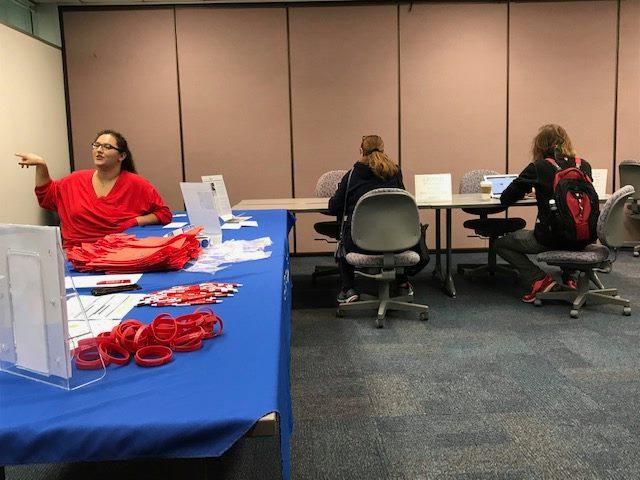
[[36, 341]]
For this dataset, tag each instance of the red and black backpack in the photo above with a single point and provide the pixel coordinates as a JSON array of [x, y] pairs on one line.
[[575, 218]]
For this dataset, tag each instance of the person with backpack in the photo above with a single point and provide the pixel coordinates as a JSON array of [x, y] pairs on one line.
[[567, 204]]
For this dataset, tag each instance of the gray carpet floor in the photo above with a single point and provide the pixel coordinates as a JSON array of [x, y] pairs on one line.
[[488, 388]]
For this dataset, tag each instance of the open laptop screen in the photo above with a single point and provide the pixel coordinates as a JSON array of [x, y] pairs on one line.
[[499, 183]]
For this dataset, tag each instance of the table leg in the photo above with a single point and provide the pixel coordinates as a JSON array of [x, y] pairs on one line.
[[437, 270], [449, 286], [1, 473]]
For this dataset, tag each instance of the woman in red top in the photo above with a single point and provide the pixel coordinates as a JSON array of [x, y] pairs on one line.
[[95, 203]]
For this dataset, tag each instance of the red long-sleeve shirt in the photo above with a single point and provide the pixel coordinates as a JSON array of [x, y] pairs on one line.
[[86, 218]]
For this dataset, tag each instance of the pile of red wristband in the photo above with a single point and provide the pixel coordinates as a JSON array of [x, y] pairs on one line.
[[150, 345], [200, 294], [125, 253]]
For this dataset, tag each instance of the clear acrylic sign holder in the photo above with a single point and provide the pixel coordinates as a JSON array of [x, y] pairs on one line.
[[35, 338]]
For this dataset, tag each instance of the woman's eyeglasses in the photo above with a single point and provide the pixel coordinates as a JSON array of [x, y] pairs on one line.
[[105, 146]]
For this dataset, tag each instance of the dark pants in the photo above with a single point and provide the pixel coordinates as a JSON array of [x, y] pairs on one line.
[[514, 247]]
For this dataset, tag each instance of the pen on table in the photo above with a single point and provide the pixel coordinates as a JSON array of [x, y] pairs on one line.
[[113, 282]]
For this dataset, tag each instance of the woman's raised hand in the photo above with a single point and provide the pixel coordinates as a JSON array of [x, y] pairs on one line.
[[30, 159]]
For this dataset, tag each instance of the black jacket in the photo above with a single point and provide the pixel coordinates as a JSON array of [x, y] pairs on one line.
[[363, 180], [540, 175]]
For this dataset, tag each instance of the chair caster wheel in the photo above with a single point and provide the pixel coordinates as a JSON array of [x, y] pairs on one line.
[[636, 254], [424, 316], [537, 302], [626, 311], [339, 313], [379, 322], [574, 313]]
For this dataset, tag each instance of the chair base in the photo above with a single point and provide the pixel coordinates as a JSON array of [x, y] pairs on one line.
[[482, 270], [491, 268], [384, 302], [636, 251], [323, 271], [580, 296]]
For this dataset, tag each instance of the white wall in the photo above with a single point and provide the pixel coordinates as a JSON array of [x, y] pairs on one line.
[[32, 118]]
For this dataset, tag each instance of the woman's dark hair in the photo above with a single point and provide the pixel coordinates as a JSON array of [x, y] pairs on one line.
[[123, 147]]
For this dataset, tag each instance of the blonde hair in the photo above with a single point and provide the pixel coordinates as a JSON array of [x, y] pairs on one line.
[[551, 138], [374, 156]]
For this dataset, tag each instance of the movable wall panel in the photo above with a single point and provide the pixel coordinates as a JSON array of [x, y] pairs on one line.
[[121, 72], [235, 98], [565, 76], [32, 119], [628, 128], [453, 94], [344, 84]]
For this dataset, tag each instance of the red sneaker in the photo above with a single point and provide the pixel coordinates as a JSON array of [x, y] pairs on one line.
[[571, 284], [543, 285]]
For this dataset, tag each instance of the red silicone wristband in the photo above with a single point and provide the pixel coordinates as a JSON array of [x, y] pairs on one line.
[[107, 348], [88, 358], [153, 356]]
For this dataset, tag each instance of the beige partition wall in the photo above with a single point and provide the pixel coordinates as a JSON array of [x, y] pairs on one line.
[[628, 139], [344, 84], [32, 119], [235, 98], [453, 93], [121, 72], [565, 76], [628, 128]]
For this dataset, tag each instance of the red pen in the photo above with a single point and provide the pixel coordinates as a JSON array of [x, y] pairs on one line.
[[113, 282]]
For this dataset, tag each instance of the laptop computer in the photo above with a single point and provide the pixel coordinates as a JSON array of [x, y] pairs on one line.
[[499, 183]]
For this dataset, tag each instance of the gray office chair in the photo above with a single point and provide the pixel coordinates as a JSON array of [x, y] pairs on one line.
[[385, 220], [325, 187], [630, 175], [491, 228], [594, 257]]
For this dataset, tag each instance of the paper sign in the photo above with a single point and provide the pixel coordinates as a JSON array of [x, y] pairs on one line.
[[600, 180], [433, 187], [199, 198], [175, 225], [221, 196]]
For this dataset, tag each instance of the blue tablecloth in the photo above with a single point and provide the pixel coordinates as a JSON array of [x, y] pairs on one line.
[[200, 404]]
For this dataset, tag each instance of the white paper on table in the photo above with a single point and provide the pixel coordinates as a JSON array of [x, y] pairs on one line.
[[600, 180], [91, 281], [249, 223], [433, 187], [232, 219], [178, 215], [222, 198], [231, 226], [105, 307], [78, 329], [199, 199], [175, 225]]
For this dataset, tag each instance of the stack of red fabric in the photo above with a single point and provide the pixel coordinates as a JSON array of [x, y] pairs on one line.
[[125, 253]]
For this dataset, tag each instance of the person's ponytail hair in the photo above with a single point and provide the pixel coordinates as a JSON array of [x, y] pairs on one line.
[[123, 147], [551, 140], [379, 162]]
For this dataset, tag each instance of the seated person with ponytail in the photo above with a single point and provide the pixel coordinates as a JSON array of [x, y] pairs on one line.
[[95, 203], [374, 170]]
